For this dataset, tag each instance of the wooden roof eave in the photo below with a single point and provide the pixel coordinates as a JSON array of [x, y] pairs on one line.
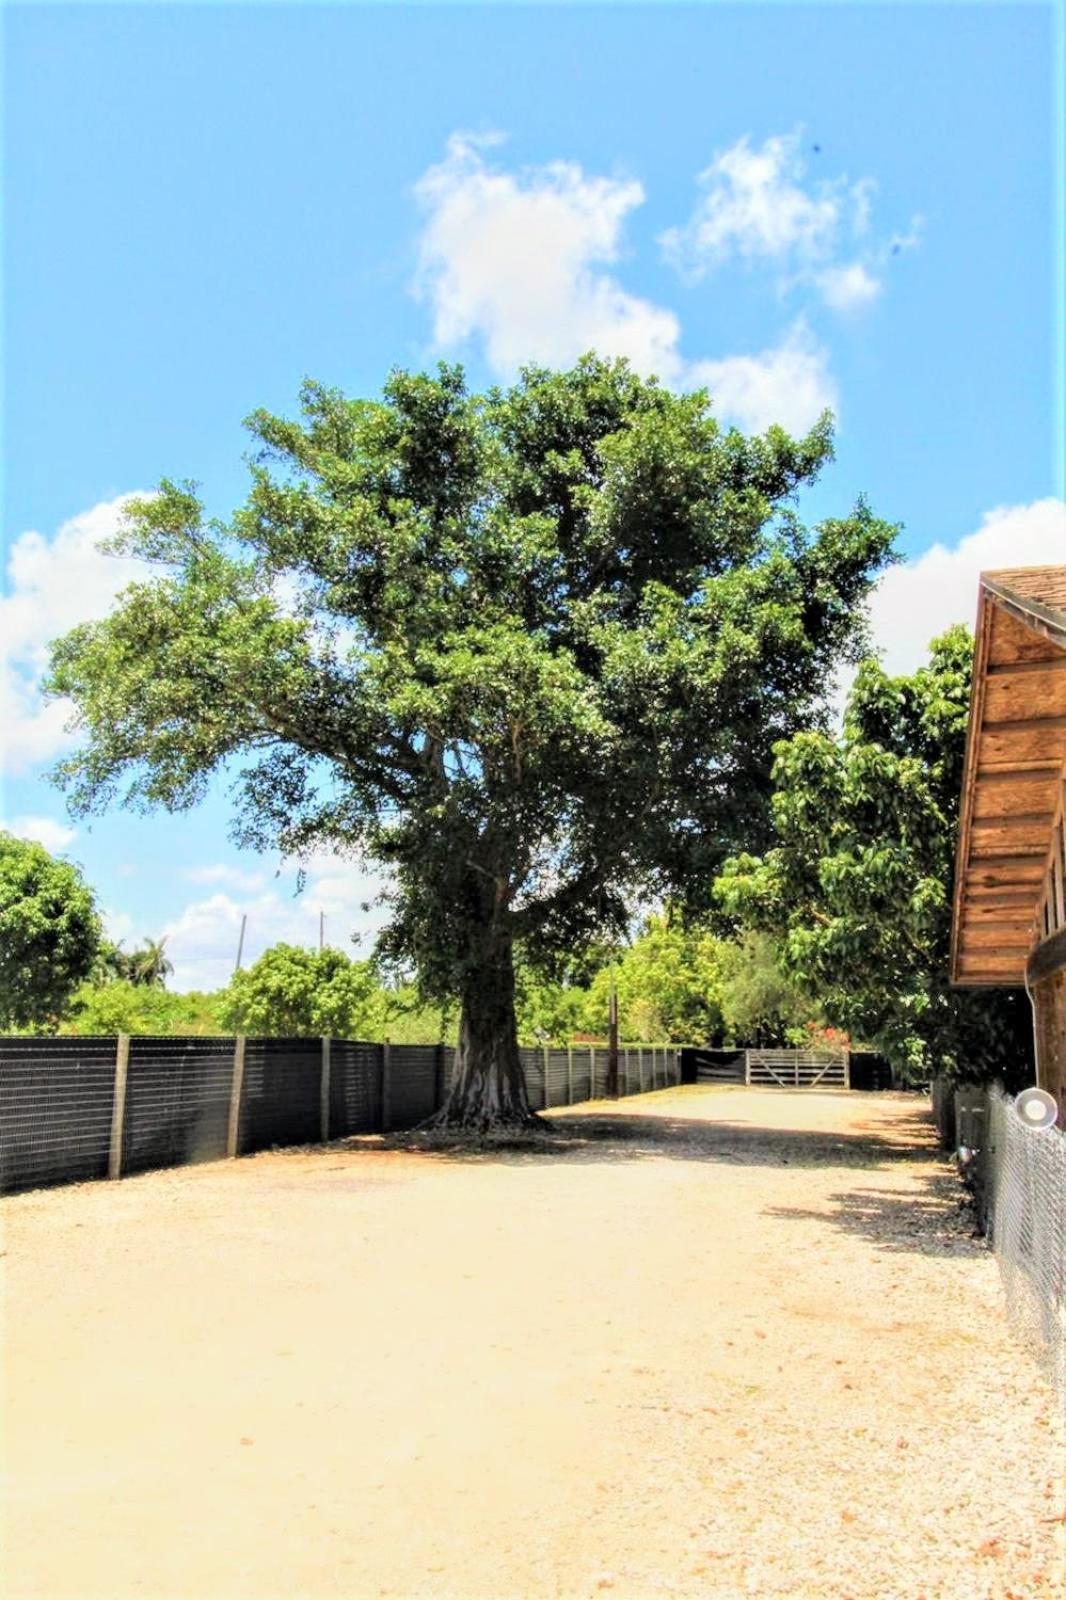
[[1038, 617], [973, 739]]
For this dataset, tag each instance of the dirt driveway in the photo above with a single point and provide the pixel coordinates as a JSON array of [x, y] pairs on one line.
[[742, 1346]]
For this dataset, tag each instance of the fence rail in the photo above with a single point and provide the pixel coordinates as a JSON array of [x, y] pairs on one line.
[[1017, 1175], [76, 1109]]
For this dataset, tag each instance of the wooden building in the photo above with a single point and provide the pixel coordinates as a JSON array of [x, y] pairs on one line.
[[1009, 920]]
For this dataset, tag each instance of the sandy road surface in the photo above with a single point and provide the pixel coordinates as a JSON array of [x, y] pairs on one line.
[[743, 1346]]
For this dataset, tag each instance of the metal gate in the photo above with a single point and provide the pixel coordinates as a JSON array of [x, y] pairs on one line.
[[799, 1069]]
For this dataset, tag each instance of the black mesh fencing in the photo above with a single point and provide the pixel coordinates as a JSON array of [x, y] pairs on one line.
[[532, 1059], [177, 1102], [414, 1084], [55, 1110], [558, 1078], [281, 1101], [57, 1096], [355, 1088]]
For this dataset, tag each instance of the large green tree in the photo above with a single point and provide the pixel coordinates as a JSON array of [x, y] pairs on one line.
[[857, 888], [50, 933], [529, 650]]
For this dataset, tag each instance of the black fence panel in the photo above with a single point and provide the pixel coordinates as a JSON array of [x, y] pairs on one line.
[[56, 1098], [712, 1066], [413, 1084], [281, 1103], [532, 1060], [582, 1063], [355, 1088], [558, 1078], [869, 1070], [177, 1101]]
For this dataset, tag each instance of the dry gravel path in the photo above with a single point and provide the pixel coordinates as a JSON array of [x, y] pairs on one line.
[[738, 1343]]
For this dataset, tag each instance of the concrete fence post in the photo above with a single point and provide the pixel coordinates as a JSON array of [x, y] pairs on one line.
[[324, 1090], [441, 1087], [847, 1069], [569, 1074], [640, 1067], [747, 1068], [547, 1087], [236, 1092], [386, 1051], [592, 1072], [118, 1105]]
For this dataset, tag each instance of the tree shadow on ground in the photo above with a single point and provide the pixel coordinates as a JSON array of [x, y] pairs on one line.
[[619, 1136], [937, 1220]]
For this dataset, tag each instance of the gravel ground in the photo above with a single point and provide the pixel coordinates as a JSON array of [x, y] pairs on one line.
[[720, 1343]]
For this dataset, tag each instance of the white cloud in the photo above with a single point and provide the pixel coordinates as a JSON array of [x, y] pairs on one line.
[[517, 261], [789, 383], [118, 925], [916, 601], [52, 584], [202, 940], [55, 836], [848, 287], [754, 205], [758, 205]]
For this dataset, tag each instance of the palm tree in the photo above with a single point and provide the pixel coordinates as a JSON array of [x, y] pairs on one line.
[[149, 965]]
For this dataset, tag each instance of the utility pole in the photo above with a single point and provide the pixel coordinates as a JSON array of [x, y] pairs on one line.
[[240, 941], [612, 1041]]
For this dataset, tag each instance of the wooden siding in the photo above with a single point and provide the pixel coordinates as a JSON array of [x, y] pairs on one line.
[[1010, 877]]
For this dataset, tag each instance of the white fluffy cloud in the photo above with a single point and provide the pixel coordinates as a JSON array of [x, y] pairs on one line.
[[916, 601], [51, 585], [55, 836], [846, 288], [754, 205], [789, 383], [519, 262], [758, 205], [202, 940]]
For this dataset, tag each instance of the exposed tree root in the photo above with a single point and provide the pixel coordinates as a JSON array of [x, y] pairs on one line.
[[474, 1132]]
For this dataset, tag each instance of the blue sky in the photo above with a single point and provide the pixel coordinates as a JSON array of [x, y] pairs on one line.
[[204, 204]]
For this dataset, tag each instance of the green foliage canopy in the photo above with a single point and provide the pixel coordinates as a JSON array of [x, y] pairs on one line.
[[50, 933], [122, 1006], [760, 1004], [294, 992], [858, 886], [529, 650]]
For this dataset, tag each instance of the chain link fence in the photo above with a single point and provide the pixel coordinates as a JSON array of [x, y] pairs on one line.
[[1017, 1176]]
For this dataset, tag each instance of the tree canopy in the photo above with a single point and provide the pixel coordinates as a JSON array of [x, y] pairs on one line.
[[296, 992], [50, 933], [857, 887], [529, 650]]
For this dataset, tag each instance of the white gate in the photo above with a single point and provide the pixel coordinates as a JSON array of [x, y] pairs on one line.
[[798, 1069]]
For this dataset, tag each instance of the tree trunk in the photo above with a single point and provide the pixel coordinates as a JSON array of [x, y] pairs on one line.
[[488, 1086]]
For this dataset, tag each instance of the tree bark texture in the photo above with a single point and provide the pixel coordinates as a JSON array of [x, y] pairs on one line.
[[488, 1085]]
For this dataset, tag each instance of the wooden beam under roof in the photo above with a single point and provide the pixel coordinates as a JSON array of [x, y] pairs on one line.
[[1015, 756]]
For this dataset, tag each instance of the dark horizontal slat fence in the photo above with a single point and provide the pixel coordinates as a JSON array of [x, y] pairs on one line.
[[281, 1099], [55, 1110], [177, 1102], [74, 1109]]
